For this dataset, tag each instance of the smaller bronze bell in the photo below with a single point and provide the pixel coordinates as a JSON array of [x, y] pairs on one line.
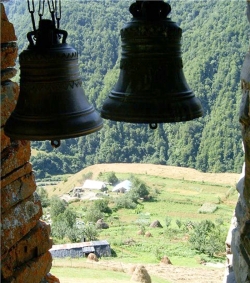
[[151, 87], [51, 104]]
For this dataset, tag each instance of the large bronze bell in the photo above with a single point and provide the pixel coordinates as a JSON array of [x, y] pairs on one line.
[[151, 87], [51, 104]]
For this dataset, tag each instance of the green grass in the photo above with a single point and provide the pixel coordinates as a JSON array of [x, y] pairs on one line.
[[173, 198], [83, 274], [87, 273]]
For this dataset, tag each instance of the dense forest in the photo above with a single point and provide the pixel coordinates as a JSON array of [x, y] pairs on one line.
[[214, 43]]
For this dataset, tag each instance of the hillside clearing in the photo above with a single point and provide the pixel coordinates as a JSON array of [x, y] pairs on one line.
[[163, 171]]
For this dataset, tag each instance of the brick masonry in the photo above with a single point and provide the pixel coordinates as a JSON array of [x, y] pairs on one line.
[[25, 239]]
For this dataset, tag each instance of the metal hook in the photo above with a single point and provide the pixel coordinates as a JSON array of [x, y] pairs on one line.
[[58, 12], [153, 126], [55, 143], [52, 10], [41, 8], [32, 10]]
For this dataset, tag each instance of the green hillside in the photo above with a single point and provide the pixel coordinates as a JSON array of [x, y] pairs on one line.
[[178, 203], [215, 40]]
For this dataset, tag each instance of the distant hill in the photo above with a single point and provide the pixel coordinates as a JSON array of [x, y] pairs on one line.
[[171, 172], [215, 40]]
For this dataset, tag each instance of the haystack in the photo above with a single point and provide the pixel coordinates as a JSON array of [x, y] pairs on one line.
[[148, 234], [166, 260], [100, 224], [140, 275], [140, 232], [92, 257], [131, 269], [156, 224]]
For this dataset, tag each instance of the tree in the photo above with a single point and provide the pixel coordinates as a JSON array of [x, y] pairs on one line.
[[102, 205], [90, 232], [93, 214], [111, 178], [43, 195], [57, 207], [208, 238]]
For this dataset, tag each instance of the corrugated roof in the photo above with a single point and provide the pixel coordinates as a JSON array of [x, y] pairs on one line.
[[94, 185], [126, 185], [88, 249], [78, 245]]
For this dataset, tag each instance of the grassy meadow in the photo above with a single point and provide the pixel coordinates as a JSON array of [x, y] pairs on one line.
[[176, 201]]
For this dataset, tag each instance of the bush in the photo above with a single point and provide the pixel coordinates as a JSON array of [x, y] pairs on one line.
[[208, 238], [93, 214], [125, 202], [111, 178], [178, 223], [43, 195], [102, 205], [168, 221], [57, 206], [90, 232]]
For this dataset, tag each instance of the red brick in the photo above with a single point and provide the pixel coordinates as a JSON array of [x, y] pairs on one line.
[[7, 28], [51, 278], [9, 95], [7, 74], [19, 172], [18, 221], [33, 271], [15, 156], [17, 191], [35, 243], [9, 52]]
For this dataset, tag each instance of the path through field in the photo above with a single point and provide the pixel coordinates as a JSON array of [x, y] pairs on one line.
[[171, 273]]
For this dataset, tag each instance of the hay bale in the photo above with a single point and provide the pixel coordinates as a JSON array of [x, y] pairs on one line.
[[208, 207], [92, 257], [140, 232], [156, 224], [100, 224], [148, 234], [166, 260], [140, 275], [131, 269]]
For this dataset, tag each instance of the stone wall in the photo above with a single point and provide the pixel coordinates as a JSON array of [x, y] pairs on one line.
[[240, 233], [25, 239]]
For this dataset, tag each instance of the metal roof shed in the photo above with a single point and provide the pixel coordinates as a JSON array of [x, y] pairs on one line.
[[93, 185]]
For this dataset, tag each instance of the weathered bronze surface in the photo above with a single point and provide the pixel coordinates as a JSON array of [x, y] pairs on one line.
[[151, 87], [52, 104]]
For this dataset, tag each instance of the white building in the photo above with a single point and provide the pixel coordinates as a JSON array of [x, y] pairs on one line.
[[94, 185], [123, 187]]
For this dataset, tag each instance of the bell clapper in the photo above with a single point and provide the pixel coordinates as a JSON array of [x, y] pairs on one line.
[[153, 126], [55, 143]]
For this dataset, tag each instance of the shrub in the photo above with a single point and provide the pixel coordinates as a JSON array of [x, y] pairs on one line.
[[43, 195], [90, 232], [93, 214], [57, 206], [125, 202], [168, 221], [111, 178], [178, 223], [102, 205], [208, 238]]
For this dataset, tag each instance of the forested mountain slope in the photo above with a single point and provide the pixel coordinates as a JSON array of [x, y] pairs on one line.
[[215, 40]]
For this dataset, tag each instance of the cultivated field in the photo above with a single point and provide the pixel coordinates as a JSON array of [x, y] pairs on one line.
[[179, 194]]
